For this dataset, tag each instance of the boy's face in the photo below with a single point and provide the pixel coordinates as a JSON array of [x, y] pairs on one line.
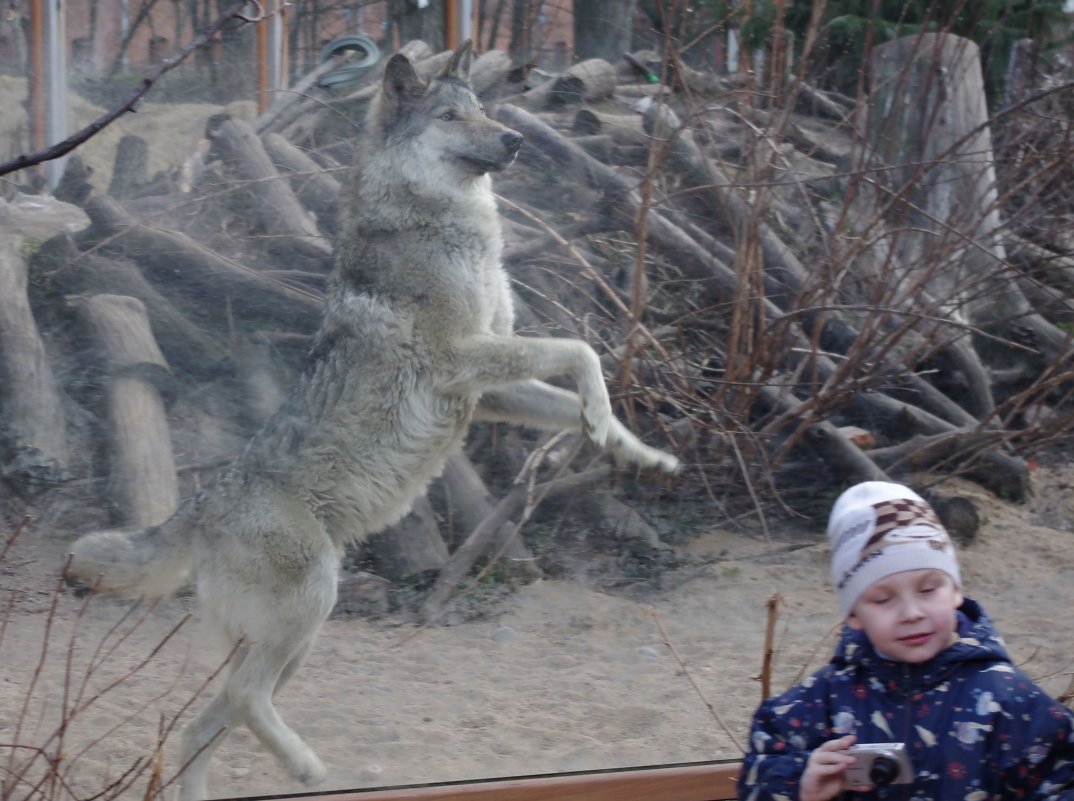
[[909, 616]]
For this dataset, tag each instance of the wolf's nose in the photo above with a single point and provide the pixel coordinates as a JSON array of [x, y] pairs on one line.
[[512, 140]]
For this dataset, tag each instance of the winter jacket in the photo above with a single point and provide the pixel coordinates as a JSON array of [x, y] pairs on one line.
[[976, 727]]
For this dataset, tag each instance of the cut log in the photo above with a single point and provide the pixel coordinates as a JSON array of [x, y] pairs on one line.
[[32, 406], [489, 71], [186, 345], [170, 257], [33, 430], [625, 129], [264, 388], [289, 230], [131, 170], [74, 186], [623, 523], [316, 189], [971, 453], [470, 502], [477, 543], [587, 81], [143, 482], [1004, 473], [411, 547], [362, 594]]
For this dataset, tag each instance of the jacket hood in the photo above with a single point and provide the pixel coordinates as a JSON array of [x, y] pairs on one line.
[[978, 641]]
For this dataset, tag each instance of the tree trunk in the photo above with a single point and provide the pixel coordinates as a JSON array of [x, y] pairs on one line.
[[603, 28], [412, 22]]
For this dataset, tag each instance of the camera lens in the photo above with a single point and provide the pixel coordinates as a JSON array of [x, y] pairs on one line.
[[884, 771]]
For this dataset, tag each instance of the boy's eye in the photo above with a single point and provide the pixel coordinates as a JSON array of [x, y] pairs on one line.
[[448, 116]]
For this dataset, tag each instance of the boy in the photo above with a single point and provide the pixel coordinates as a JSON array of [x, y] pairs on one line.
[[917, 664]]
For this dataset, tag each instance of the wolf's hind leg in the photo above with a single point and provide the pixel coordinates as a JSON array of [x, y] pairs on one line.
[[535, 403], [201, 737], [250, 690]]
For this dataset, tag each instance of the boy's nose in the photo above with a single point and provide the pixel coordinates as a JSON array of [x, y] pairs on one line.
[[911, 610]]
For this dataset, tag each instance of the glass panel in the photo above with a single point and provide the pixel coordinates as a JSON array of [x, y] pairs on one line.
[[301, 405]]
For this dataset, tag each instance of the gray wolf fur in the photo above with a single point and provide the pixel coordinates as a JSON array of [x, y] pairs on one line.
[[416, 341]]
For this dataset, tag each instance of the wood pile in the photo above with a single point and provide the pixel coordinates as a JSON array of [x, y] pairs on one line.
[[793, 296]]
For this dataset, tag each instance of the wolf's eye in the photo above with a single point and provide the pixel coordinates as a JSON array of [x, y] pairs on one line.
[[448, 116]]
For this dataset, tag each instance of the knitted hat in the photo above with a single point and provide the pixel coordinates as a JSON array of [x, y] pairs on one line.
[[877, 529]]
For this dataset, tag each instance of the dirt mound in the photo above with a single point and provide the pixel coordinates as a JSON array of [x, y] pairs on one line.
[[172, 130]]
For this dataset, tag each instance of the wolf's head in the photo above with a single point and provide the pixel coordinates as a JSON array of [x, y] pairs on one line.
[[441, 123]]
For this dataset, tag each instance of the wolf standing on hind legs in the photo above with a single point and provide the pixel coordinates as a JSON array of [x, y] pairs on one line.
[[416, 342]]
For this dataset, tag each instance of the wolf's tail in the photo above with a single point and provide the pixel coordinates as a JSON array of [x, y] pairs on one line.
[[141, 563]]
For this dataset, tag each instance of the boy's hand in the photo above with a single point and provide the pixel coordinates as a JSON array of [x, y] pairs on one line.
[[827, 765]]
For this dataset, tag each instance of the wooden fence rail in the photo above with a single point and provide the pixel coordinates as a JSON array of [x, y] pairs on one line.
[[705, 781]]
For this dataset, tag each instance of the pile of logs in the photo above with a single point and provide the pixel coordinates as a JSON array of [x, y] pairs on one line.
[[793, 296]]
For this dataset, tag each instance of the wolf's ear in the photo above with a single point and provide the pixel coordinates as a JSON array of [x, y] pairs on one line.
[[459, 65], [400, 80]]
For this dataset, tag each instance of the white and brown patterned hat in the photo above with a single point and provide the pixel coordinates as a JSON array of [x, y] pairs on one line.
[[876, 529]]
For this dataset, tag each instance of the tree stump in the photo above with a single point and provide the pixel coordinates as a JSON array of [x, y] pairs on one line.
[[929, 132], [143, 481], [33, 422], [131, 170], [33, 428]]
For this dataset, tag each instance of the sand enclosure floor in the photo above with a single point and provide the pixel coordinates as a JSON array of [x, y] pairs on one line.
[[559, 677]]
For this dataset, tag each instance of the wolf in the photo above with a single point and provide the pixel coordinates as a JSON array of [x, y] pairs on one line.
[[416, 341]]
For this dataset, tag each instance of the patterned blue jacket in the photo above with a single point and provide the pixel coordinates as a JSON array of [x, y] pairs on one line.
[[976, 727]]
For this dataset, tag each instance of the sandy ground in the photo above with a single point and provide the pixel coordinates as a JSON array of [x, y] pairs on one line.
[[559, 678]]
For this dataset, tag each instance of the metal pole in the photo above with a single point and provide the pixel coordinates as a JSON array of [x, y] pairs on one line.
[[271, 55], [37, 75], [279, 47], [466, 19], [56, 126], [262, 38]]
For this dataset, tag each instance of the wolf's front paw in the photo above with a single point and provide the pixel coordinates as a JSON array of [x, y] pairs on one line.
[[633, 451], [665, 462]]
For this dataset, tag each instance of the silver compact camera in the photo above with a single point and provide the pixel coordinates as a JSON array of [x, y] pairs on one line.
[[878, 765]]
